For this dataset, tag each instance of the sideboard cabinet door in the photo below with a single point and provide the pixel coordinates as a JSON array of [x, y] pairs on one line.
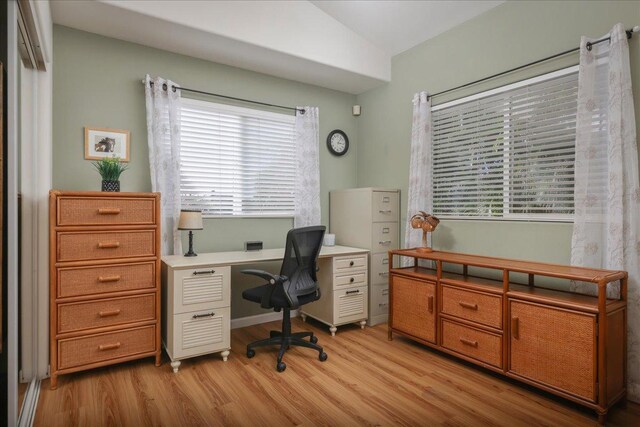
[[414, 310], [554, 347]]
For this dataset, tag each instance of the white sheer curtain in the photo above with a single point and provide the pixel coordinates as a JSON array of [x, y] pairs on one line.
[[607, 189], [307, 186], [163, 135], [419, 196]]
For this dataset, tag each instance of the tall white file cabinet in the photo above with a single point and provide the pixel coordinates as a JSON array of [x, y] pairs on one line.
[[369, 218]]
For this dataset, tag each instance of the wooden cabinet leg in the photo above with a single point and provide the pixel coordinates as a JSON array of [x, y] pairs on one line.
[[225, 355], [175, 365], [333, 330], [390, 335], [54, 381], [159, 359], [602, 418]]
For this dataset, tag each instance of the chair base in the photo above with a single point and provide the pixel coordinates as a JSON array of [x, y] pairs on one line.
[[286, 339]]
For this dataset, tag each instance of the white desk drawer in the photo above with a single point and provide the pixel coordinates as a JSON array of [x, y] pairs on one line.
[[380, 268], [201, 289], [379, 300], [358, 278], [201, 332], [350, 305], [385, 206], [384, 236], [349, 263]]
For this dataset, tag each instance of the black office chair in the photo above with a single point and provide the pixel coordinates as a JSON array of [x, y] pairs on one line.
[[296, 285]]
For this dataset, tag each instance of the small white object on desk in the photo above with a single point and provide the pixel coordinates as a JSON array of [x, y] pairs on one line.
[[329, 240]]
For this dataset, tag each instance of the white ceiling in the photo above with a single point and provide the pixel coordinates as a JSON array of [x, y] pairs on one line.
[[341, 45], [396, 26]]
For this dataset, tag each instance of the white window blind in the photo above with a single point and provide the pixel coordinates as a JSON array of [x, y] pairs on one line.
[[236, 161], [508, 153]]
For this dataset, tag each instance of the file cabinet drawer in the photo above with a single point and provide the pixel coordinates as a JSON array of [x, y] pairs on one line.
[[475, 306], [74, 352], [379, 300], [350, 305], [350, 280], [107, 312], [351, 263], [201, 289], [105, 211], [201, 332], [384, 236], [380, 269], [385, 206], [82, 246], [81, 281], [472, 342]]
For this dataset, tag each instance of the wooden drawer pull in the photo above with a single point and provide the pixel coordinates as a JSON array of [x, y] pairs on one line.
[[103, 279], [469, 342], [109, 211], [515, 327], [109, 313], [468, 305], [113, 346], [108, 245], [430, 303]]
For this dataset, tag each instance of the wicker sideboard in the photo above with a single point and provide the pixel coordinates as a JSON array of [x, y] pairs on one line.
[[565, 343], [104, 279]]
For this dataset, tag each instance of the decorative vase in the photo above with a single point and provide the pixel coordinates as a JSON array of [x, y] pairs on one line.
[[112, 186]]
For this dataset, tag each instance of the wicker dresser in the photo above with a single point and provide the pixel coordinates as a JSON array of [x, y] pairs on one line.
[[105, 279]]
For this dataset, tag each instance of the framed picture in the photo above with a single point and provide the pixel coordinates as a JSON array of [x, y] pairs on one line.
[[103, 142]]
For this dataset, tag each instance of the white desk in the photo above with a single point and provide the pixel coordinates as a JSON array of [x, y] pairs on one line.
[[196, 296]]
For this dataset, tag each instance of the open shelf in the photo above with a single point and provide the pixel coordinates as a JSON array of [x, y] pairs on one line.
[[417, 272]]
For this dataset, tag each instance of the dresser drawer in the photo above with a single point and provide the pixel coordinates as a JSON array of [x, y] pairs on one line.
[[350, 305], [80, 246], [107, 312], [358, 278], [105, 211], [201, 332], [472, 342], [81, 281], [201, 289], [380, 269], [385, 206], [379, 300], [74, 352], [349, 263], [384, 236], [475, 306]]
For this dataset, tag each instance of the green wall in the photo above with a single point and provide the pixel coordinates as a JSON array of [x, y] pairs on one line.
[[97, 82], [507, 36]]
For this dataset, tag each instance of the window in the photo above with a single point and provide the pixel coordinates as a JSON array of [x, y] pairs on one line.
[[236, 161], [508, 153]]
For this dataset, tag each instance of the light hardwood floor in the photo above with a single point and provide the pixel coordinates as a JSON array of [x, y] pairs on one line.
[[367, 380]]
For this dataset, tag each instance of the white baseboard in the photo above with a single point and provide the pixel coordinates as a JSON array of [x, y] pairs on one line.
[[259, 318]]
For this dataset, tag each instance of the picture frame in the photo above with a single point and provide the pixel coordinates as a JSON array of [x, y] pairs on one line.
[[105, 142]]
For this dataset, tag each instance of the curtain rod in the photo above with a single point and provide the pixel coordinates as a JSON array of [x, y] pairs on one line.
[[548, 58], [164, 86]]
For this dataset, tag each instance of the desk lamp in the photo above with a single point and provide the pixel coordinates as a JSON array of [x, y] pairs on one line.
[[190, 220]]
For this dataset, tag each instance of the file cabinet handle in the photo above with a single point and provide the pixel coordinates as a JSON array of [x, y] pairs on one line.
[[195, 273], [469, 342], [113, 346], [515, 327], [103, 279], [430, 303], [108, 211], [384, 211], [468, 305], [386, 199], [108, 245], [199, 316], [385, 242], [384, 273], [109, 313], [385, 261]]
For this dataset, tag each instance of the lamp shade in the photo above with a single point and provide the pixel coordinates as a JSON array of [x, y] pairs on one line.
[[190, 220]]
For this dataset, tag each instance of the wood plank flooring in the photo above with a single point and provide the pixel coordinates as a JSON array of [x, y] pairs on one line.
[[367, 380]]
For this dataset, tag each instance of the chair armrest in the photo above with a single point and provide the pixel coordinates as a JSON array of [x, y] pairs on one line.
[[271, 278]]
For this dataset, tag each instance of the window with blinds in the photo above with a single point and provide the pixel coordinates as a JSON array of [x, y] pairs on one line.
[[508, 153], [236, 161]]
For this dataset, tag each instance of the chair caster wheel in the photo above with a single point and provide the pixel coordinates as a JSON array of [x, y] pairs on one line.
[[250, 353], [323, 356], [313, 339], [280, 367]]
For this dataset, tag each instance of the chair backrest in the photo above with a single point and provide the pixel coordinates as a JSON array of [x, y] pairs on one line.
[[301, 261]]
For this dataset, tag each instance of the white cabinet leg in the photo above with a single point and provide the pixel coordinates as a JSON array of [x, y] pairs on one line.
[[225, 355], [175, 365], [362, 323], [303, 316], [333, 330]]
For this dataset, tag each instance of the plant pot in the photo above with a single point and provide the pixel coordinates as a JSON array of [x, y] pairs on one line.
[[112, 186]]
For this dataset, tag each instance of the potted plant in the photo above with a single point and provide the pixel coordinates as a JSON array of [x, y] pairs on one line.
[[110, 169]]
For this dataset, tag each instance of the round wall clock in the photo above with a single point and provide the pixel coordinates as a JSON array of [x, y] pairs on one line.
[[338, 142]]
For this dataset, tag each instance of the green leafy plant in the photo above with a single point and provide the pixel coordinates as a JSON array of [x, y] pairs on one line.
[[110, 168]]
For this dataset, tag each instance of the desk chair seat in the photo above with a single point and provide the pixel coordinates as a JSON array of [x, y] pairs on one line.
[[296, 285]]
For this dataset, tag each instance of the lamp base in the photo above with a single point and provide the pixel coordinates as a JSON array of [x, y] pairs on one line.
[[191, 252]]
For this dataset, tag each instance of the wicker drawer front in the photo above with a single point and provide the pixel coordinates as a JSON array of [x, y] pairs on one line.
[[107, 312], [105, 211], [554, 347], [380, 269], [475, 306], [385, 206], [379, 300], [350, 263], [201, 289], [472, 342], [350, 305], [80, 281], [105, 245], [201, 332], [384, 236], [350, 280], [74, 352], [413, 307]]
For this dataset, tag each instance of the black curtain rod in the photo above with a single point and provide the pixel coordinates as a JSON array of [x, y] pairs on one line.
[[164, 86], [548, 58]]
